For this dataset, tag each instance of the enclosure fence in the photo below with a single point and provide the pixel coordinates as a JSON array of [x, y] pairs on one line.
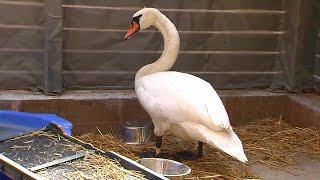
[[317, 63], [54, 45]]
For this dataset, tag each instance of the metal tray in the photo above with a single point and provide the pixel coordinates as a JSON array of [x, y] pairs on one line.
[[31, 151]]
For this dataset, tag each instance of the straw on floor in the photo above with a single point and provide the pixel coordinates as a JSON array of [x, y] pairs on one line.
[[271, 142]]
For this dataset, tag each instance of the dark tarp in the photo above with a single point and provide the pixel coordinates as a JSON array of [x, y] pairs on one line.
[[298, 45], [317, 66], [232, 44], [316, 76], [21, 44]]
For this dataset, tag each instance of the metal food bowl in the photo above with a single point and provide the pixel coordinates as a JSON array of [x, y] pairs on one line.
[[138, 132], [168, 168]]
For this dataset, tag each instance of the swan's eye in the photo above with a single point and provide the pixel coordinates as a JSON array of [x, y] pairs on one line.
[[136, 18]]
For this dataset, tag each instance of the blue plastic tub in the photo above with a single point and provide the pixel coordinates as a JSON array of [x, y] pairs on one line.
[[3, 176], [13, 123]]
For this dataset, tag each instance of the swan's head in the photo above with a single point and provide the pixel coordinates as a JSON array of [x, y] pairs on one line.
[[142, 19]]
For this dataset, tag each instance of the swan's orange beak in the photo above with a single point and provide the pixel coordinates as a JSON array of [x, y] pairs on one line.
[[133, 29]]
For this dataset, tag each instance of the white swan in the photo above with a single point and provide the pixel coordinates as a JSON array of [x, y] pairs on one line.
[[180, 103]]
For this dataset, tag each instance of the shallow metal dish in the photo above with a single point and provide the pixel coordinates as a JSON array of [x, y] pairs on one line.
[[138, 132], [168, 168]]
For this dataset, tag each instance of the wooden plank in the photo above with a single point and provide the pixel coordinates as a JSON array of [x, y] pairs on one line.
[[53, 46], [120, 19], [184, 4], [153, 41]]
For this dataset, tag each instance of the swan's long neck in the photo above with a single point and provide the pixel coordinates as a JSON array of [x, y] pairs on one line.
[[171, 48]]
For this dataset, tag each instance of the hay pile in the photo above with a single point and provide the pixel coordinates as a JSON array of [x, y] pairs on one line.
[[271, 142]]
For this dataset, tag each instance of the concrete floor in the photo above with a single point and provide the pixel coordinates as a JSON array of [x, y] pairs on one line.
[[305, 169]]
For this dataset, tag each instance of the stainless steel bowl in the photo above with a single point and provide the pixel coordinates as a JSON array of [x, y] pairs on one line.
[[138, 132], [168, 168]]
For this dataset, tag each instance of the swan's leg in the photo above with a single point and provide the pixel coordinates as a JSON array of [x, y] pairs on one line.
[[158, 144], [200, 149]]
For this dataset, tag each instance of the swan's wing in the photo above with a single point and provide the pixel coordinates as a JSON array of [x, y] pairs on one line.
[[180, 97]]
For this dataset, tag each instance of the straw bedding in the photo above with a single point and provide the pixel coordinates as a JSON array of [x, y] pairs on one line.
[[92, 167], [271, 142]]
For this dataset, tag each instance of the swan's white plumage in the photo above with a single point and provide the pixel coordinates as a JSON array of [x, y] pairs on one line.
[[173, 93], [189, 108], [180, 103]]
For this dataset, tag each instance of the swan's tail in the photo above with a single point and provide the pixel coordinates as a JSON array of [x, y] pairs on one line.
[[228, 142], [225, 140]]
